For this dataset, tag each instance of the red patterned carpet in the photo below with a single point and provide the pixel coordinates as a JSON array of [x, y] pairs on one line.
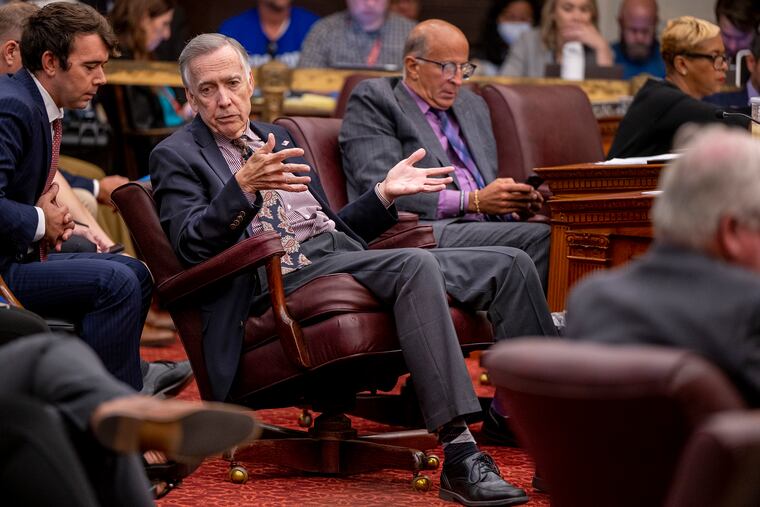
[[275, 486]]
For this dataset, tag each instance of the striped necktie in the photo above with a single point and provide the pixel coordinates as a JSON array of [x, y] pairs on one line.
[[459, 147]]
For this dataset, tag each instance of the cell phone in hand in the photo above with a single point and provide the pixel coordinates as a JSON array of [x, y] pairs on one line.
[[534, 181], [116, 248]]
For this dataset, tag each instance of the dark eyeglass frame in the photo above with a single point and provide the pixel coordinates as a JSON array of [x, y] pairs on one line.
[[467, 68], [723, 58]]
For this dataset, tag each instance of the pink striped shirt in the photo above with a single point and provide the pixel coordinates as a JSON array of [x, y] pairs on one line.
[[301, 208]]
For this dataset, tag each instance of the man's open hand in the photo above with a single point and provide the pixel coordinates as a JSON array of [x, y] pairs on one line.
[[405, 179]]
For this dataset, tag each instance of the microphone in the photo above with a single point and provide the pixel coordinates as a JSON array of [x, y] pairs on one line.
[[722, 115]]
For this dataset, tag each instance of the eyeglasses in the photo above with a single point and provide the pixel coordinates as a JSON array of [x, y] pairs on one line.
[[449, 69], [718, 60]]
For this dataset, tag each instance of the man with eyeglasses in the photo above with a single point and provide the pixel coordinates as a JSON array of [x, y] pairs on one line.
[[388, 118], [739, 99]]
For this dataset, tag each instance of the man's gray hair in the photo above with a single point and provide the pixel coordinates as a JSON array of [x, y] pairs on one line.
[[204, 44], [13, 18], [718, 175]]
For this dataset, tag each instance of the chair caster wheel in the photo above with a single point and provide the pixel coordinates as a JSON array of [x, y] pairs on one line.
[[432, 462], [421, 483], [238, 474], [305, 419], [484, 380]]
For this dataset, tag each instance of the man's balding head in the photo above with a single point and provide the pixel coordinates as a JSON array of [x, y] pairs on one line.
[[432, 45], [13, 17], [638, 28], [431, 33]]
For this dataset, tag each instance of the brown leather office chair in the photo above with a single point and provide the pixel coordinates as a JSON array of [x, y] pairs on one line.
[[720, 464], [539, 126], [319, 139], [317, 348], [606, 424]]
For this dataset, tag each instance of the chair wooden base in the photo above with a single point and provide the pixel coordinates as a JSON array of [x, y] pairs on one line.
[[332, 447]]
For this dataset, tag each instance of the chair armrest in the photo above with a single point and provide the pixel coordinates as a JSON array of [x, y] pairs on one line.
[[402, 236], [6, 292], [239, 258]]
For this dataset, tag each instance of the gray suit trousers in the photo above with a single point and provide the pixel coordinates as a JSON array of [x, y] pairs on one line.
[[414, 282], [62, 372], [530, 237]]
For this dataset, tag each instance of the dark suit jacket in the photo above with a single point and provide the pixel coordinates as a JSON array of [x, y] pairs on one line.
[[730, 100], [200, 203], [383, 125], [681, 298], [78, 181], [659, 109], [25, 152]]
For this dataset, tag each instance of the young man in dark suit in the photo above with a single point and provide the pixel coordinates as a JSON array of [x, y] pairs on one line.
[[64, 48]]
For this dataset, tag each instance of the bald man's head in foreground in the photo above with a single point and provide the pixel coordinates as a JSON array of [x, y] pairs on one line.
[[436, 62]]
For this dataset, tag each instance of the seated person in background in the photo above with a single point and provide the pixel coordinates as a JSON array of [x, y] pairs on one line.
[[141, 25], [223, 178], [740, 99], [275, 30], [638, 51], [108, 295], [562, 21], [78, 428], [389, 118], [696, 64], [698, 286], [505, 23], [364, 35], [738, 21], [410, 9]]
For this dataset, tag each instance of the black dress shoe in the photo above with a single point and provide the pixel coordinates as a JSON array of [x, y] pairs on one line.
[[166, 378], [496, 430], [476, 481]]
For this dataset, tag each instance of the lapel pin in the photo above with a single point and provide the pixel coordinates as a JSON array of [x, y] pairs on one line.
[[285, 142]]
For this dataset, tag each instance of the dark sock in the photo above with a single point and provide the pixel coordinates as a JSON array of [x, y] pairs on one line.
[[458, 443]]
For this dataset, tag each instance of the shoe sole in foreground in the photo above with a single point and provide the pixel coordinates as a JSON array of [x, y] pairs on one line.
[[203, 431], [450, 496]]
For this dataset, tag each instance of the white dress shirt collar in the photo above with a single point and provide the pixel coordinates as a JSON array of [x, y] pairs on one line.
[[53, 111]]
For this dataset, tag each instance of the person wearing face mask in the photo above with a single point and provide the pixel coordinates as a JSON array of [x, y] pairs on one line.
[[504, 24], [638, 51], [562, 21]]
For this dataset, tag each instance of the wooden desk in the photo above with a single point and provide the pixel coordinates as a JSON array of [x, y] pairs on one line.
[[599, 219], [593, 232]]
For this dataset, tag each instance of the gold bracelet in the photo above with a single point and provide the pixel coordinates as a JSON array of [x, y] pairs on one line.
[[477, 203]]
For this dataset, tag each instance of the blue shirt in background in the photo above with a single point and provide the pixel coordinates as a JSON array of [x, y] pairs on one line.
[[246, 29], [652, 65]]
